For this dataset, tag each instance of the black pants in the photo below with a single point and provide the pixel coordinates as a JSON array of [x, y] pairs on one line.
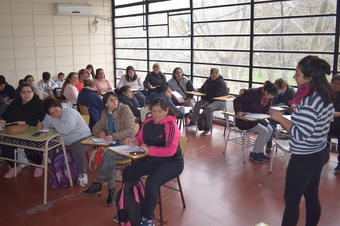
[[8, 152], [159, 174], [303, 178]]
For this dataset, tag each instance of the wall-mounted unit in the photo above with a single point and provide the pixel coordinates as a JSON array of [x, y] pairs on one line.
[[72, 9]]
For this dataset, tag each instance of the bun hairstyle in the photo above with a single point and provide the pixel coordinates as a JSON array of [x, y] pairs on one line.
[[162, 88], [123, 89], [317, 69], [89, 82], [270, 87]]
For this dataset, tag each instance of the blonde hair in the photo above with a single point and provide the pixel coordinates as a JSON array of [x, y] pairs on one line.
[[156, 65]]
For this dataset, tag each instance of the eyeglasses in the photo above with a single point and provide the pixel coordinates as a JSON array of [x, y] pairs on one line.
[[24, 92]]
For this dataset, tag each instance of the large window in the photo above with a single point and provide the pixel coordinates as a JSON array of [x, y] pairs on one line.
[[249, 41]]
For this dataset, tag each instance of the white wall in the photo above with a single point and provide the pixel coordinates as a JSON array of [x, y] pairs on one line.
[[33, 40]]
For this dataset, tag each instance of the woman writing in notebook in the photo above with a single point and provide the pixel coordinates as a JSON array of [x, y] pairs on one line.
[[159, 137], [256, 100], [116, 124]]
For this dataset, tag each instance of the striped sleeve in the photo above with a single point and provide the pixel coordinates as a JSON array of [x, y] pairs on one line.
[[310, 125]]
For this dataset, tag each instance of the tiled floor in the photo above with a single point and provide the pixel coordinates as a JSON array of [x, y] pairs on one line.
[[219, 190]]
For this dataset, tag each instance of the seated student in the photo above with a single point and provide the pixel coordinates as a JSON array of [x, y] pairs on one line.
[[61, 79], [2, 106], [69, 90], [37, 90], [256, 100], [20, 83], [25, 109], [134, 81], [47, 84], [72, 127], [164, 91], [7, 92], [89, 67], [154, 77], [116, 123], [335, 124], [181, 83], [125, 96], [82, 75], [214, 86], [102, 84], [159, 137], [88, 96], [284, 94]]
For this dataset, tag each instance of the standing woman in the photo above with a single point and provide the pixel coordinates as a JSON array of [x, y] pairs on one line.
[[154, 77], [102, 84], [25, 109], [159, 137], [69, 90], [134, 81], [181, 83], [214, 86], [72, 127], [308, 143], [89, 67], [257, 100], [116, 123]]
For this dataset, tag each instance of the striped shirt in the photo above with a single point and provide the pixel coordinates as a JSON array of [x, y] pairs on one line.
[[311, 122]]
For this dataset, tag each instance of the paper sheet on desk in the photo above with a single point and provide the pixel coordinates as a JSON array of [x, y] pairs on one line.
[[255, 115], [125, 149], [102, 141], [280, 108]]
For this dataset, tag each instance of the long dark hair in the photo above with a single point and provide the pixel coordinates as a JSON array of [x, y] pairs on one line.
[[270, 87], [128, 77], [89, 66], [317, 69], [49, 103], [162, 103]]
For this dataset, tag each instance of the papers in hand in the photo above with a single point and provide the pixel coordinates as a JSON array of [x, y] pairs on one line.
[[135, 89], [280, 108], [125, 149], [178, 97], [102, 141]]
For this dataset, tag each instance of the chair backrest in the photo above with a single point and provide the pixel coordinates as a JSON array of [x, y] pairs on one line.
[[183, 144], [227, 90], [86, 119], [137, 127], [83, 109]]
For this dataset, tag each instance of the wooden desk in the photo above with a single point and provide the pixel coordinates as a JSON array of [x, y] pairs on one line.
[[224, 98], [132, 157], [264, 116], [50, 140], [89, 142], [197, 94]]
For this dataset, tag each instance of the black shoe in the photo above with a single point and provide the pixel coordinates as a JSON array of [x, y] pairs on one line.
[[94, 189], [337, 168], [111, 199], [269, 146]]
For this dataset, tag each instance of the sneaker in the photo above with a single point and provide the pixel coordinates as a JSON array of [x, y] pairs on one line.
[[115, 218], [206, 131], [10, 172], [146, 222], [264, 157], [337, 168], [256, 157], [82, 180], [191, 124], [269, 146]]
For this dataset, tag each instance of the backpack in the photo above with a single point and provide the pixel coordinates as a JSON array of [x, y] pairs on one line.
[[129, 203], [59, 177], [201, 121], [96, 157]]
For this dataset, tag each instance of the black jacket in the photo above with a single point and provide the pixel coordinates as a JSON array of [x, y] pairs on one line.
[[250, 101], [154, 80], [336, 123], [216, 88], [30, 112], [132, 103], [8, 92]]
